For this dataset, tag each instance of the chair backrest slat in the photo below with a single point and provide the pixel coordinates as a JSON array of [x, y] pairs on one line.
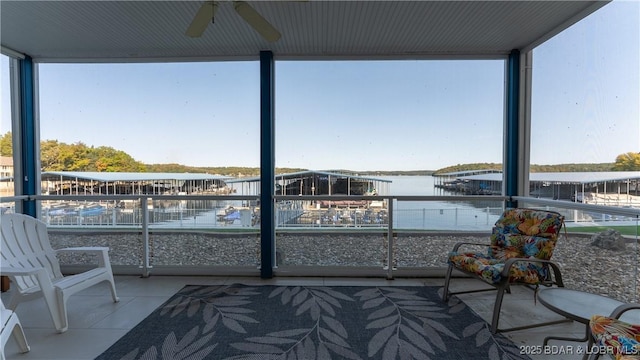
[[13, 251], [25, 243], [43, 253]]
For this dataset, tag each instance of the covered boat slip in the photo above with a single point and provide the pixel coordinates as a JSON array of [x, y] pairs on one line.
[[170, 205], [126, 211], [614, 188], [316, 183], [125, 183], [339, 212]]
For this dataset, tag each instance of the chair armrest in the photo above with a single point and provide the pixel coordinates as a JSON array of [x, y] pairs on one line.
[[24, 271], [457, 245], [85, 249], [41, 275], [617, 312], [554, 267]]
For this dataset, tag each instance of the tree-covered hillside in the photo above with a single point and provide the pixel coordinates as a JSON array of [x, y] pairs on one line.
[[59, 156], [235, 171], [595, 167]]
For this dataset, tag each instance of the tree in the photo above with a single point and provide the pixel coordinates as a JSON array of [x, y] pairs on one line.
[[6, 145], [49, 155], [57, 156], [627, 162], [74, 157], [108, 159]]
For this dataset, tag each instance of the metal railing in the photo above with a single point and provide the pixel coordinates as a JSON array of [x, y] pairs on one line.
[[292, 212]]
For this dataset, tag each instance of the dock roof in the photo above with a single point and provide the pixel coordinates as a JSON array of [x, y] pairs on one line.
[[468, 172], [299, 174], [566, 177]]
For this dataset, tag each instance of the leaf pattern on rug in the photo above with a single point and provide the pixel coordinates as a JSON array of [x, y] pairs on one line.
[[234, 322], [497, 344], [324, 337], [219, 303], [404, 323], [189, 347], [455, 305]]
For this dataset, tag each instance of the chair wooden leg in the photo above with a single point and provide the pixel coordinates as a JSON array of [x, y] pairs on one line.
[[447, 279]]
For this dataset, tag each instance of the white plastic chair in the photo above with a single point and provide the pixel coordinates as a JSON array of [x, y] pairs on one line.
[[32, 265], [11, 326]]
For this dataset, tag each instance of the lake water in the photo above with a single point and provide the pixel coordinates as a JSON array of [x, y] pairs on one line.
[[411, 185], [438, 215]]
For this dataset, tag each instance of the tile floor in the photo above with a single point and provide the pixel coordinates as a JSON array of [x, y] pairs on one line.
[[95, 322]]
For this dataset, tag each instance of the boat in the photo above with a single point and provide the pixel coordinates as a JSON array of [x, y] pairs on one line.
[[62, 210], [228, 215], [91, 210], [231, 217]]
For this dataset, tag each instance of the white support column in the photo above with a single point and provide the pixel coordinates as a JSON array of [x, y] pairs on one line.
[[524, 161]]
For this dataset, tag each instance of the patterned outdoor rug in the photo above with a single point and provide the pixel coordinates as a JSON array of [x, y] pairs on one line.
[[307, 322]]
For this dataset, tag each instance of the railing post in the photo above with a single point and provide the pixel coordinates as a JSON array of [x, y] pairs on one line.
[[145, 236], [390, 242], [636, 297]]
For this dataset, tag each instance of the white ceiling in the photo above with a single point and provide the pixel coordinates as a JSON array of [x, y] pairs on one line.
[[95, 31]]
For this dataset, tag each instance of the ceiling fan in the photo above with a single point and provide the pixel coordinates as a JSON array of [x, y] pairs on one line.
[[207, 12]]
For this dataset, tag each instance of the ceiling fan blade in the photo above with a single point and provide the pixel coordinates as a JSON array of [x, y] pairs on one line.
[[260, 24], [202, 19]]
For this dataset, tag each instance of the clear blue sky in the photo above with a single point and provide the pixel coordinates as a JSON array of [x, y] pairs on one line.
[[373, 115]]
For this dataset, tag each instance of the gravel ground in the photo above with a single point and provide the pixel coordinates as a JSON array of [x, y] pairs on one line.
[[583, 266]]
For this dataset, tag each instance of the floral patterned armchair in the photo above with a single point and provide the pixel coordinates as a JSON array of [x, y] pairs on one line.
[[522, 242], [619, 338]]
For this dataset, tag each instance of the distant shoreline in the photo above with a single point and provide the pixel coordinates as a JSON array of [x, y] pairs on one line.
[[255, 171]]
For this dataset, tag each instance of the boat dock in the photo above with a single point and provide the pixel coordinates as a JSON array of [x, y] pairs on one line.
[[615, 188]]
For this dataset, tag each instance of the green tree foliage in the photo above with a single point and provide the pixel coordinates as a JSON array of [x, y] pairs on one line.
[[49, 155], [6, 148], [65, 157], [59, 156], [108, 159], [222, 170], [627, 162], [596, 167], [468, 167]]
